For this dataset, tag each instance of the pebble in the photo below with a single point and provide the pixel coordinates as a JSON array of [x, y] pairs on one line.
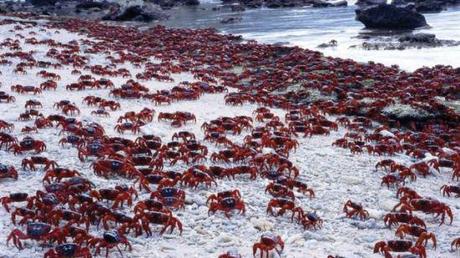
[[199, 229], [261, 224]]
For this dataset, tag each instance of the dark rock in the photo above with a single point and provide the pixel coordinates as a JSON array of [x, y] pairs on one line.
[[4, 9], [429, 6], [418, 38], [364, 3], [284, 3], [237, 8], [191, 2], [146, 13], [332, 43], [92, 5], [407, 41], [407, 114], [386, 16], [168, 4], [253, 3], [230, 20], [342, 3], [43, 2], [165, 4], [281, 3], [280, 44], [400, 2], [323, 4]]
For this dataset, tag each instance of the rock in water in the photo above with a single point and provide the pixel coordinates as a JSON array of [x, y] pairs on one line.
[[145, 13], [230, 20], [323, 4], [92, 5], [237, 8], [427, 6], [43, 2], [418, 38], [364, 3], [191, 2], [386, 16]]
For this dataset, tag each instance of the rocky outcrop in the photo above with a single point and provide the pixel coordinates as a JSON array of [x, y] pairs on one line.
[[252, 3], [366, 3], [145, 13], [324, 4], [113, 10], [237, 8], [92, 5], [391, 17], [406, 114], [167, 4], [418, 38], [332, 43], [43, 2], [407, 41], [425, 40], [287, 3], [231, 20], [280, 3], [427, 6]]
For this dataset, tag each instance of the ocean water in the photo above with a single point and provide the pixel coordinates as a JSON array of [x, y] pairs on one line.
[[308, 27]]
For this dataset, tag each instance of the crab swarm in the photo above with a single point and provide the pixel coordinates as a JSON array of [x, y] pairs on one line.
[[116, 136]]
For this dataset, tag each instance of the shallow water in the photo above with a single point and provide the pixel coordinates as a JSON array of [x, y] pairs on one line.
[[309, 27]]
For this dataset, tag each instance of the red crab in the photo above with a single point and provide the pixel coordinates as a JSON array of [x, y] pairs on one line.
[[71, 109], [6, 126], [449, 189], [268, 242], [231, 254], [399, 246], [34, 160], [195, 175], [14, 197], [426, 205], [227, 204], [279, 190], [105, 167], [422, 235], [309, 220], [100, 113], [95, 148], [58, 174], [160, 218], [171, 197], [150, 205], [8, 172], [36, 231], [119, 195], [109, 240], [402, 217], [351, 209], [68, 250], [221, 195], [27, 144], [133, 127], [283, 204], [455, 243]]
